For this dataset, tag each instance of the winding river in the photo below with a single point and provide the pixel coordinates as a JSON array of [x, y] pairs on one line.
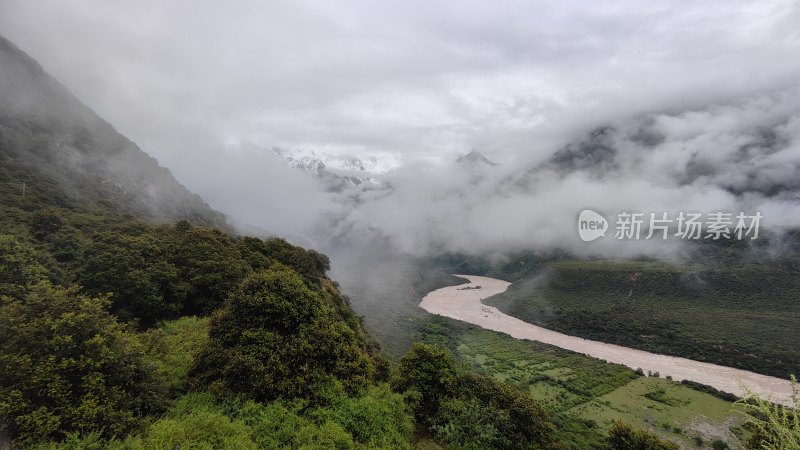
[[460, 303]]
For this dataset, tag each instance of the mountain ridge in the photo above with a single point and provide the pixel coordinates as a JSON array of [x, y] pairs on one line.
[[48, 132]]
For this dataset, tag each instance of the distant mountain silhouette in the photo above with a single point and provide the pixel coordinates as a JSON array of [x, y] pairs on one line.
[[475, 157]]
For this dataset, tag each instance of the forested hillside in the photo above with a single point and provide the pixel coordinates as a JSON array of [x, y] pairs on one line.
[[117, 332], [105, 320], [131, 317]]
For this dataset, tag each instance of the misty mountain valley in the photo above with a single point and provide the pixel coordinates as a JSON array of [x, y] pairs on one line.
[[399, 225]]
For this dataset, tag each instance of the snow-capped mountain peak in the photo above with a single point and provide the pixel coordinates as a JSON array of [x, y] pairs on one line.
[[340, 171], [313, 161]]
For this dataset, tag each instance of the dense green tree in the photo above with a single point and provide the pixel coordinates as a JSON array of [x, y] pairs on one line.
[[468, 410], [182, 226], [45, 222], [520, 419], [68, 366], [255, 252], [136, 271], [470, 423], [65, 245], [427, 374], [277, 338], [19, 267], [52, 227], [622, 436], [210, 266], [311, 264]]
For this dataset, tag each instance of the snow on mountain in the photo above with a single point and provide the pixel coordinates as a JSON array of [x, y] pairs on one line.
[[341, 171], [315, 161]]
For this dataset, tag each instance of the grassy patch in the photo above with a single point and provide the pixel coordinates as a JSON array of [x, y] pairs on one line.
[[585, 394], [667, 408]]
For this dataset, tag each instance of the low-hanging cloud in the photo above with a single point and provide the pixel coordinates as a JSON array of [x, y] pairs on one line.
[[699, 101], [741, 156]]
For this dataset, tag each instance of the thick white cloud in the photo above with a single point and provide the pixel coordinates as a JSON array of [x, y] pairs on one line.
[[737, 157], [427, 79]]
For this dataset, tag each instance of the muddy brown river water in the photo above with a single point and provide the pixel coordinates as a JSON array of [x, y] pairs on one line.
[[465, 305]]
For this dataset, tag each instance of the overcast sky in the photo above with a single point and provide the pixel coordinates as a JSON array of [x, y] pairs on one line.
[[399, 76], [206, 86]]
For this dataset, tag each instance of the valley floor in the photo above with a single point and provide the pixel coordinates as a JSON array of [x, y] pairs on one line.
[[463, 302], [584, 394]]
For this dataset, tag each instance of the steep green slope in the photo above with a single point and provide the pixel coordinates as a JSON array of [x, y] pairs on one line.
[[69, 157], [740, 314]]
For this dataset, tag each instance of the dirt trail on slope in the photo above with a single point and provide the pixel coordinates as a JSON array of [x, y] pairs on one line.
[[465, 305]]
